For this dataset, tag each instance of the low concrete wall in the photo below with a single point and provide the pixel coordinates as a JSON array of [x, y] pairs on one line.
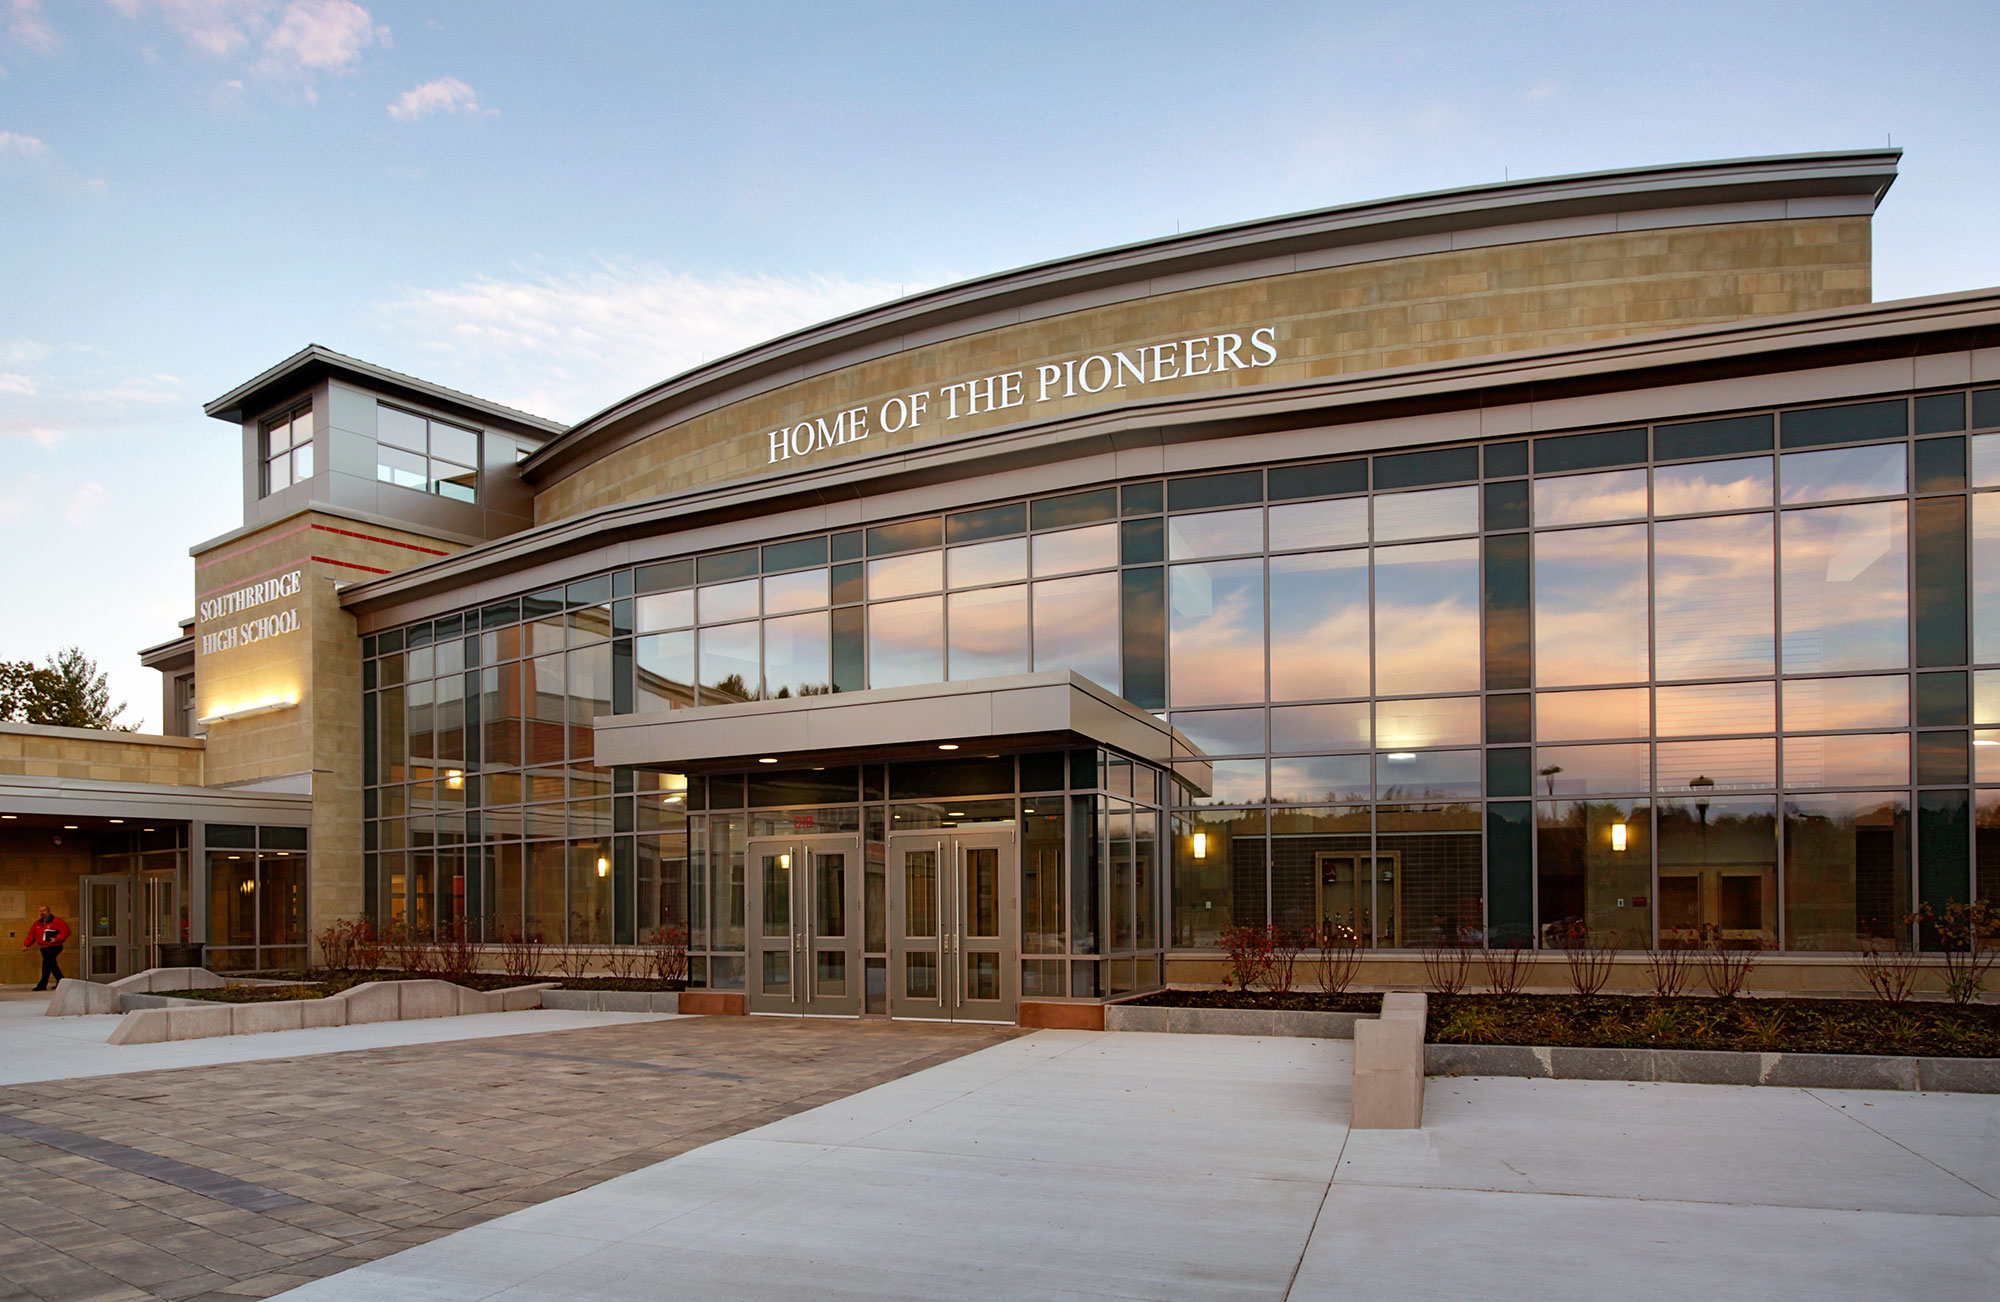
[[1717, 1067], [613, 1001], [77, 998], [1231, 1021], [376, 1001]]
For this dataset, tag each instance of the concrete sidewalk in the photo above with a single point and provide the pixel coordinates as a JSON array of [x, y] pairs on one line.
[[1077, 1164], [38, 1048]]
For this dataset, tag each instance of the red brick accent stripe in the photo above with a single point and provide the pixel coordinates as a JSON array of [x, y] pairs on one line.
[[387, 542], [328, 560]]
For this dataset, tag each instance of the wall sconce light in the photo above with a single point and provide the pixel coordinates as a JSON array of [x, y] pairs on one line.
[[603, 866], [247, 885], [244, 712], [1201, 845], [1618, 837], [785, 860]]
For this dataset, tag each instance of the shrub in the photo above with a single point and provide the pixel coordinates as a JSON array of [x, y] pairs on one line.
[[1891, 972], [1960, 929], [1671, 969], [1508, 967], [1284, 945], [350, 945], [1336, 955], [1248, 949], [1725, 969], [573, 961], [1587, 955], [455, 954], [667, 952], [624, 962], [1446, 965], [522, 955]]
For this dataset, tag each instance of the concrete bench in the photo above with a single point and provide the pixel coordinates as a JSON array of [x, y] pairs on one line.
[[1389, 1065]]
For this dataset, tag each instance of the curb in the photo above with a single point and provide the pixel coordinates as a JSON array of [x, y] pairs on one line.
[[1717, 1067]]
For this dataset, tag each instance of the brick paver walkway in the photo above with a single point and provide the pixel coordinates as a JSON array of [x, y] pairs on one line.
[[245, 1179]]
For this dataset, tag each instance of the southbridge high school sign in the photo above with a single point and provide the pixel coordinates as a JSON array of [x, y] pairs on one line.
[[1073, 377], [258, 627]]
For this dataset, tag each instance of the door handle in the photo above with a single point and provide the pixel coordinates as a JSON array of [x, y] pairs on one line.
[[943, 940]]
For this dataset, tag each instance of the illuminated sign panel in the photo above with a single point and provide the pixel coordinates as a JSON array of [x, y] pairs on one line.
[[1046, 382]]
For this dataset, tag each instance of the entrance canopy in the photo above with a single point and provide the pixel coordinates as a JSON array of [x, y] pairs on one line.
[[1056, 708]]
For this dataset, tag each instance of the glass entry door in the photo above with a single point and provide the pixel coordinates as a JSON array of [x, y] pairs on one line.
[[158, 916], [954, 925], [104, 928], [805, 933]]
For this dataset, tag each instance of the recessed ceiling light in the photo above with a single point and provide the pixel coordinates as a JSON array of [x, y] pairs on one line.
[[117, 820], [949, 745], [69, 827], [956, 813], [768, 759], [8, 815]]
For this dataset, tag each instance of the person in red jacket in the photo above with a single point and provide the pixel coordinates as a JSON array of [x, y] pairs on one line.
[[49, 932]]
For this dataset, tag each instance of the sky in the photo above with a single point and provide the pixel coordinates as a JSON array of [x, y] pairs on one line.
[[555, 205]]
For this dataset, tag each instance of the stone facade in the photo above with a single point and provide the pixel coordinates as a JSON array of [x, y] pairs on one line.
[[81, 753], [1428, 308], [318, 667]]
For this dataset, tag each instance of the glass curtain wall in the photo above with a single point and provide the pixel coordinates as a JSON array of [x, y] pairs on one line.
[[257, 893], [1719, 677]]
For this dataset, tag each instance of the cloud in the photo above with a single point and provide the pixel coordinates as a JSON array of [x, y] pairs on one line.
[[323, 34], [295, 39], [445, 95], [46, 397], [27, 156], [215, 27], [27, 26], [568, 342]]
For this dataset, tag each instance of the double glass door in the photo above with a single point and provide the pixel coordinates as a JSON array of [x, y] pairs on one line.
[[805, 944], [954, 917]]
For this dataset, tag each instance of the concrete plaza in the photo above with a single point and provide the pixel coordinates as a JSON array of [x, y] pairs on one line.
[[1076, 1164]]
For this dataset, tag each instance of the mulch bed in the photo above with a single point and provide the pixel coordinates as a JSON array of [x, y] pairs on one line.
[[321, 984], [1298, 1001], [1748, 1024], [1755, 1025]]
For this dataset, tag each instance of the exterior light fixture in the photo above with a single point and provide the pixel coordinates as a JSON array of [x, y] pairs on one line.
[[1201, 845], [245, 712], [768, 759], [1618, 837], [603, 866], [948, 745]]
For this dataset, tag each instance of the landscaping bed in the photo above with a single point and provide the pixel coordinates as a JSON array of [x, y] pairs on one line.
[[320, 984], [1296, 1001], [1754, 1025]]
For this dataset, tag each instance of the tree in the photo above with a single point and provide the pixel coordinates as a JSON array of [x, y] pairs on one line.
[[68, 690]]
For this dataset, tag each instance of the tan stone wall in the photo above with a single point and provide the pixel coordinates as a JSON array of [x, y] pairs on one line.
[[1402, 311], [319, 666], [41, 872], [39, 752]]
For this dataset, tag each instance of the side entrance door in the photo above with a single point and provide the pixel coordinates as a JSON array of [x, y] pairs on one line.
[[103, 931], [954, 925], [805, 937]]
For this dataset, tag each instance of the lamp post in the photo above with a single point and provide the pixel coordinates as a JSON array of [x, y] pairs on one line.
[[1704, 784]]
